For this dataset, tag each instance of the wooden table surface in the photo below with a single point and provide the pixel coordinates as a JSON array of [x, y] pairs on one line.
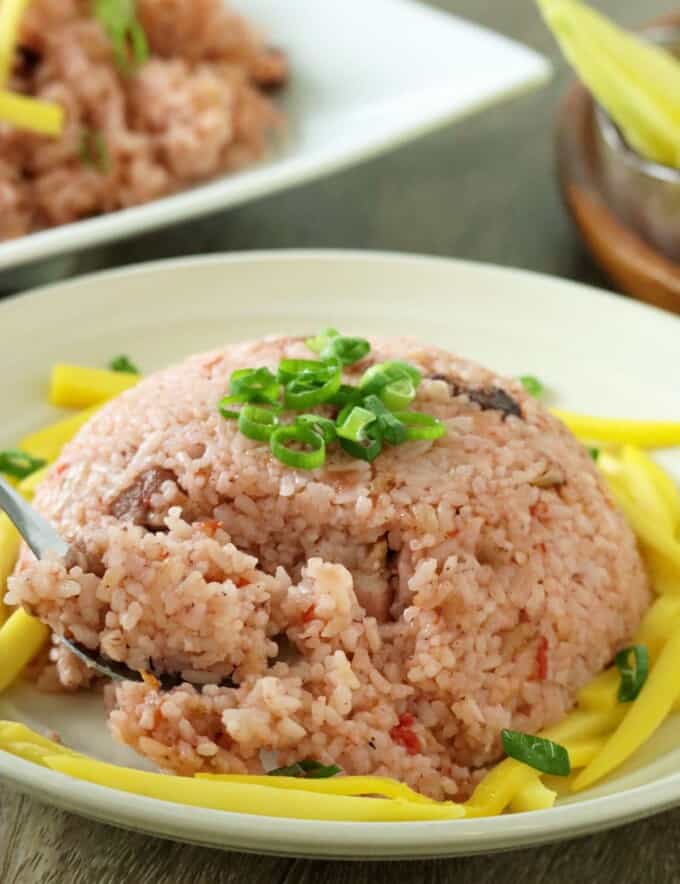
[[483, 190]]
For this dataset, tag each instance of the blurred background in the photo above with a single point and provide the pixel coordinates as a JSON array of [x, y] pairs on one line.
[[483, 189]]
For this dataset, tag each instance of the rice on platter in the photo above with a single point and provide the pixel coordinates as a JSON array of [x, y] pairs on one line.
[[189, 103], [390, 617]]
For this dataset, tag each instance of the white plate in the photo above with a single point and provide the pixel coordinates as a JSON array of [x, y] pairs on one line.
[[366, 76], [602, 353]]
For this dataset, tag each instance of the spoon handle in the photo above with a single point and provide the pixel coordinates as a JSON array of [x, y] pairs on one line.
[[36, 531]]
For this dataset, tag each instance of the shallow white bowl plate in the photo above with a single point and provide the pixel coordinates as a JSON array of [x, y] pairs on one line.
[[597, 352], [366, 76]]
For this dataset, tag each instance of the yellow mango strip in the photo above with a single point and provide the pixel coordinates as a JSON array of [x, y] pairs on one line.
[[582, 724], [666, 488], [661, 619], [15, 733], [11, 13], [644, 490], [48, 442], [541, 792], [74, 386], [21, 637], [646, 125], [653, 67], [534, 796], [9, 550], [665, 577], [509, 778], [621, 431], [351, 785], [601, 692], [41, 117], [500, 785], [660, 540], [27, 751], [28, 485], [258, 800], [644, 716]]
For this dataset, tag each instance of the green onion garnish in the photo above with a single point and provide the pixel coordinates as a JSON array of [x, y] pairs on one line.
[[308, 768], [370, 414], [398, 395], [346, 395], [94, 150], [123, 364], [393, 430], [368, 448], [594, 453], [309, 459], [255, 385], [19, 464], [119, 20], [532, 385], [537, 752], [312, 388], [321, 425], [289, 369], [346, 350], [257, 423], [421, 426], [353, 427], [633, 672], [320, 342]]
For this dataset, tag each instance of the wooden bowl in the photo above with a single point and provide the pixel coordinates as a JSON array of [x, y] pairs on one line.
[[631, 261]]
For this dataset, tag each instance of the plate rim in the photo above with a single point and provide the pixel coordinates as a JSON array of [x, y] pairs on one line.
[[297, 837]]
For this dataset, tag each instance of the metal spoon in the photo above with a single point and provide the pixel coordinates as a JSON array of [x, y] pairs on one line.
[[41, 538]]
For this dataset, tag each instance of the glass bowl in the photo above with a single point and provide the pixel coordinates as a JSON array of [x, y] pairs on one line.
[[644, 194]]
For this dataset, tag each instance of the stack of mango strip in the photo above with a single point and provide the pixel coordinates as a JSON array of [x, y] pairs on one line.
[[637, 82], [599, 734], [33, 114]]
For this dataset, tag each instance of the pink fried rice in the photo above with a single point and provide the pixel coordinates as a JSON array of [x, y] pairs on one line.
[[390, 617], [196, 109]]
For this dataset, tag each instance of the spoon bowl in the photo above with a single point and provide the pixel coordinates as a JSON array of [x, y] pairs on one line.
[[41, 538]]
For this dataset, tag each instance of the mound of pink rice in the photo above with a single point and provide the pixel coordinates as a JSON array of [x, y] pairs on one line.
[[388, 617], [196, 109]]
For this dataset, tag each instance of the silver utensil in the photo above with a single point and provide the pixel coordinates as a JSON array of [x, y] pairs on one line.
[[41, 538]]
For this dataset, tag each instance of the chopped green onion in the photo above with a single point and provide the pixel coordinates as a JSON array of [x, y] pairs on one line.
[[309, 769], [397, 367], [537, 752], [368, 448], [94, 150], [257, 423], [346, 395], [353, 427], [421, 426], [255, 385], [594, 453], [123, 364], [321, 425], [346, 350], [633, 673], [392, 429], [309, 389], [119, 20], [370, 414], [291, 368], [318, 343], [302, 460], [19, 464], [379, 376], [532, 385], [224, 406], [398, 395]]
